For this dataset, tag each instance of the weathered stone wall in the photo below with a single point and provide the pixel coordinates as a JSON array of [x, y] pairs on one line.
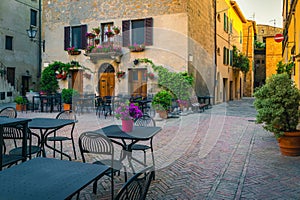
[[201, 32]]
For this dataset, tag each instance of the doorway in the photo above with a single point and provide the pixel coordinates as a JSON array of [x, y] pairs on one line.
[[106, 83], [25, 85], [137, 82]]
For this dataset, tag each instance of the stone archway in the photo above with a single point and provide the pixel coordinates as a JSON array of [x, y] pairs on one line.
[[106, 77]]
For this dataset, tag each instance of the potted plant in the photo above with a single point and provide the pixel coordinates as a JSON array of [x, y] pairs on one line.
[[277, 104], [96, 30], [128, 112], [73, 51], [116, 29], [20, 103], [90, 35], [67, 95], [162, 102], [109, 33], [136, 47]]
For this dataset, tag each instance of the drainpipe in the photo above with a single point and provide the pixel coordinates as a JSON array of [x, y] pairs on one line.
[[216, 46], [40, 40]]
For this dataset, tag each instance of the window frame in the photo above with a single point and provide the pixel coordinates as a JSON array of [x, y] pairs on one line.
[[127, 32], [68, 37], [9, 45]]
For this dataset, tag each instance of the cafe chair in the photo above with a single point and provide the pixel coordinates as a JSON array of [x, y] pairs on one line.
[[64, 133], [145, 121], [95, 145], [16, 133], [9, 112], [137, 186]]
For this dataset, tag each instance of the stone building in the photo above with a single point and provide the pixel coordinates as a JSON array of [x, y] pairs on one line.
[[230, 22], [177, 34], [267, 54], [19, 63], [290, 44]]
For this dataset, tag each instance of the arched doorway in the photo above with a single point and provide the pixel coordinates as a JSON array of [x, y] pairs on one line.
[[106, 74]]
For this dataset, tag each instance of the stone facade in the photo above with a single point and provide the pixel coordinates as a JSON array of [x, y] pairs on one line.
[[21, 61], [181, 30]]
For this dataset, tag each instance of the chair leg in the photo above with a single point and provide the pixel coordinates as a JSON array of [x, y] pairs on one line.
[[74, 148], [61, 148]]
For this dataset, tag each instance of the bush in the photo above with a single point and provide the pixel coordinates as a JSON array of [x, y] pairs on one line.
[[277, 104], [68, 94], [162, 100]]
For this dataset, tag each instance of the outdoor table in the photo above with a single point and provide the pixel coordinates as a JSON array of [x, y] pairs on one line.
[[48, 126], [48, 178], [204, 98], [139, 133], [44, 100], [8, 122]]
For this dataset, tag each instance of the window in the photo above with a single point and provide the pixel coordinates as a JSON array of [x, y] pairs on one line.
[[104, 28], [226, 56], [262, 62], [225, 23], [137, 31], [230, 26], [8, 42], [230, 57], [241, 37], [75, 37], [33, 17]]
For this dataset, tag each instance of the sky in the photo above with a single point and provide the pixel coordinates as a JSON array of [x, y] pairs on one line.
[[263, 11]]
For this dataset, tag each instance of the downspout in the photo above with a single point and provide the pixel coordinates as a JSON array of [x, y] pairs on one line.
[[40, 40], [215, 40]]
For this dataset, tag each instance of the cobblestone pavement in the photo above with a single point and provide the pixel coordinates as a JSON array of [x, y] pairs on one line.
[[218, 154]]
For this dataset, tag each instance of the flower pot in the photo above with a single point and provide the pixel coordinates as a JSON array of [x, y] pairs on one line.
[[20, 107], [290, 143], [97, 41], [127, 125], [163, 114], [67, 106], [74, 53], [117, 31]]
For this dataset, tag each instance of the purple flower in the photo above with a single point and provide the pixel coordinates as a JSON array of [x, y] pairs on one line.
[[128, 111]]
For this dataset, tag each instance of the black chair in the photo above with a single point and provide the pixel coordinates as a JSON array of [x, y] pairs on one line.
[[64, 133], [97, 144], [146, 121], [108, 101], [10, 112], [99, 104], [16, 133], [136, 188]]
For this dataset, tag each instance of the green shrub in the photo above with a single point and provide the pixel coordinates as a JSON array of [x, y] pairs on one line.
[[162, 100]]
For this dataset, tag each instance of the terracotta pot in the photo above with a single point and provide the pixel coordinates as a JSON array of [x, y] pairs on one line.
[[20, 107], [127, 125], [117, 31], [163, 114], [290, 143], [67, 106]]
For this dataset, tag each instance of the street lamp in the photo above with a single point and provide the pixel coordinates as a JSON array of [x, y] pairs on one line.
[[31, 32]]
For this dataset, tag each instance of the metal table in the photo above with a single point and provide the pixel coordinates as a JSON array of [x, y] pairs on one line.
[[48, 178], [48, 126], [139, 133], [8, 122]]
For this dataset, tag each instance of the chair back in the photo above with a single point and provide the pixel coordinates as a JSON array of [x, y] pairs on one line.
[[66, 114], [95, 143], [145, 120], [10, 112], [136, 188]]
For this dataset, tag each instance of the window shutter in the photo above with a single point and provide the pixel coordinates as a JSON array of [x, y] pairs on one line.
[[224, 55], [149, 31], [83, 38], [126, 33], [230, 57], [67, 38]]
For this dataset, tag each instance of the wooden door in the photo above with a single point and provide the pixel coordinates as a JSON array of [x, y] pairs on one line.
[[107, 84], [138, 82], [77, 80]]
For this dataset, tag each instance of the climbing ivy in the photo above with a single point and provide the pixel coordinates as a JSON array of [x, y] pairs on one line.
[[179, 84], [285, 68]]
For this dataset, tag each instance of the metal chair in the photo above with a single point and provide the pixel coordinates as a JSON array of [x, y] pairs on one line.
[[136, 188], [65, 133], [146, 121], [97, 144], [10, 112]]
